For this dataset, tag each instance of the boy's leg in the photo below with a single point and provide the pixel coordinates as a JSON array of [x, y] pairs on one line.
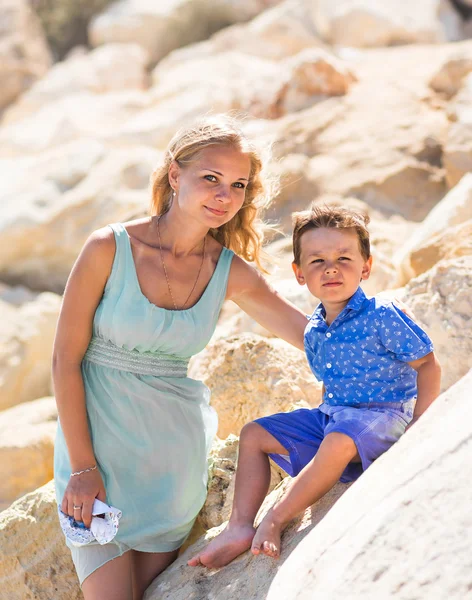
[[251, 486], [336, 451]]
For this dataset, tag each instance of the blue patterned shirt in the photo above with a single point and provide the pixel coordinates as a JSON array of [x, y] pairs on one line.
[[362, 356]]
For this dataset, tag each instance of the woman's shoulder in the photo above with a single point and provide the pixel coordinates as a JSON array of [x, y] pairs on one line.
[[99, 248]]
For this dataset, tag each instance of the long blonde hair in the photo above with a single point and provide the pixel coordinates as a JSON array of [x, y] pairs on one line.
[[244, 234]]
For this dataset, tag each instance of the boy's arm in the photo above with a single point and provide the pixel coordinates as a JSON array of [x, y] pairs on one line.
[[428, 383]]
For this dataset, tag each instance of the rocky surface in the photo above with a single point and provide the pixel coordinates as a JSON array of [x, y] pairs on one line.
[[26, 338], [34, 560], [86, 189], [386, 130], [454, 209], [394, 530], [367, 23], [110, 68], [248, 576], [26, 449], [163, 26], [24, 53], [452, 243], [440, 299], [232, 370], [458, 146]]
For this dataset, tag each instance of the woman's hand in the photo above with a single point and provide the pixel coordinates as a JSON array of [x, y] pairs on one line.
[[81, 492]]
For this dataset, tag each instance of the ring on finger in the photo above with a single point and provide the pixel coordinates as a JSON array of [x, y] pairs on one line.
[[77, 507]]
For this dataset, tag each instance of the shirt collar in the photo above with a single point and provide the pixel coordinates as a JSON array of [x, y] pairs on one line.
[[355, 303]]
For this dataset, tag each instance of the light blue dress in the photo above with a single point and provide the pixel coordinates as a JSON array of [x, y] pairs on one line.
[[151, 426]]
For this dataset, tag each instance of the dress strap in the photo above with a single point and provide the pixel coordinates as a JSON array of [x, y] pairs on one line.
[[123, 261], [219, 281]]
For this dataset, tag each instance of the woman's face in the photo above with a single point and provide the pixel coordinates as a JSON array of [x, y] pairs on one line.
[[212, 187]]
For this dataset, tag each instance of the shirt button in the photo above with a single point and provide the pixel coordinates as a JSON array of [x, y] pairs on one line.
[[330, 395], [329, 365], [328, 334]]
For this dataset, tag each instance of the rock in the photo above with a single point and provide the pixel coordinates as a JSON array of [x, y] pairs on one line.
[[454, 209], [34, 253], [452, 243], [65, 23], [27, 433], [385, 151], [26, 340], [440, 300], [24, 53], [34, 560], [69, 118], [449, 77], [265, 88], [110, 68], [248, 576], [458, 146], [232, 370], [367, 23], [16, 295], [57, 171], [223, 460], [308, 77], [278, 32], [162, 27], [388, 534]]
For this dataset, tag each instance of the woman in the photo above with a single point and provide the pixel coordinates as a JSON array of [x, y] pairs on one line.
[[142, 298]]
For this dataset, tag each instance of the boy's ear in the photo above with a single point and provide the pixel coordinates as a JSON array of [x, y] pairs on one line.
[[298, 273], [366, 269]]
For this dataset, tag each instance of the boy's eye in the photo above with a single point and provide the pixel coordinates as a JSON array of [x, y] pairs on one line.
[[317, 260], [344, 258]]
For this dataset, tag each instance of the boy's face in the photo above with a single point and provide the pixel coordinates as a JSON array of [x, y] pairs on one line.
[[331, 264]]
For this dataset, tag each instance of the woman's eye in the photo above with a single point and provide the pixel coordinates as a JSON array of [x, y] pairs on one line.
[[239, 185], [210, 178]]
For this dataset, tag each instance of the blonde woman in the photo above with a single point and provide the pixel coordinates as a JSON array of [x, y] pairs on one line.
[[142, 298]]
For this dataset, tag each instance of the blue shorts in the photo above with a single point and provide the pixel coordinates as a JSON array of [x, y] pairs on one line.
[[373, 429]]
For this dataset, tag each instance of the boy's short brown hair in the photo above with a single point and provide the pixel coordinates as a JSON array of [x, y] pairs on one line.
[[331, 217]]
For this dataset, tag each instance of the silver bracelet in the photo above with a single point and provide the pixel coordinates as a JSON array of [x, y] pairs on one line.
[[84, 471]]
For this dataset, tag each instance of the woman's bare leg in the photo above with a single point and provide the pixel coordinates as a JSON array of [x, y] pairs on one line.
[[112, 581], [146, 566], [336, 451], [252, 484]]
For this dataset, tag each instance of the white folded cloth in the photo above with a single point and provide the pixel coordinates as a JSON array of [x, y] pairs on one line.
[[102, 529]]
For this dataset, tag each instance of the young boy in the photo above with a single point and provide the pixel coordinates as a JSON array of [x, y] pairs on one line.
[[374, 362]]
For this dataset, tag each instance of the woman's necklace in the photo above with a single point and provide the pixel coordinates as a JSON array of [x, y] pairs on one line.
[[165, 270]]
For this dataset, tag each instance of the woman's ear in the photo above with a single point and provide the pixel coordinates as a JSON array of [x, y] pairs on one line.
[[174, 174], [298, 273]]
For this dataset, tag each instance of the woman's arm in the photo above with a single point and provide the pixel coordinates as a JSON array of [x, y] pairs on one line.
[[251, 292], [82, 295]]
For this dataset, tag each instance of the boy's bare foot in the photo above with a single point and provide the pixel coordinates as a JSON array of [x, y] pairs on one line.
[[267, 538], [231, 542]]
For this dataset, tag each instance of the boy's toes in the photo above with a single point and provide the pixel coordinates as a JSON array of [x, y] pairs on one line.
[[256, 548], [194, 561], [270, 549]]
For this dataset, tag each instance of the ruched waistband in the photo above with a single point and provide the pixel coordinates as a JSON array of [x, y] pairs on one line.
[[108, 354]]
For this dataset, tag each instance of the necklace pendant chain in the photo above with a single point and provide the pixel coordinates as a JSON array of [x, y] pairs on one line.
[[165, 270]]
